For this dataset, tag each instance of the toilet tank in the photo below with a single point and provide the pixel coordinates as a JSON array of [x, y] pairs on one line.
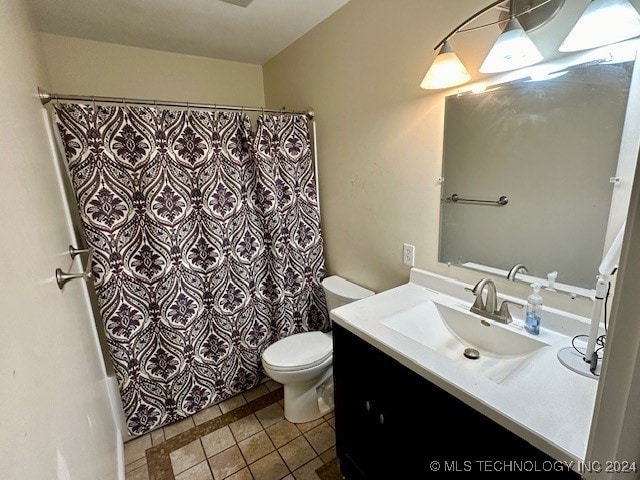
[[339, 291]]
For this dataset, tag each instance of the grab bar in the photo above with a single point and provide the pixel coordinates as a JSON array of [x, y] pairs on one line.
[[455, 198], [63, 277]]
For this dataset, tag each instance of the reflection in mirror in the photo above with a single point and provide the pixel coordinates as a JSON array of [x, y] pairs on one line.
[[551, 148]]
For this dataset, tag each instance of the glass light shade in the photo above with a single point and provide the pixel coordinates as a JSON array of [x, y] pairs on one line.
[[602, 23], [446, 70], [513, 49]]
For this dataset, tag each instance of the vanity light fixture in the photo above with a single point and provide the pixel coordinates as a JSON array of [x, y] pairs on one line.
[[602, 23], [446, 70], [513, 48]]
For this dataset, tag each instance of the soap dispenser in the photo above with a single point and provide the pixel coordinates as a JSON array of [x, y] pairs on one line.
[[534, 311]]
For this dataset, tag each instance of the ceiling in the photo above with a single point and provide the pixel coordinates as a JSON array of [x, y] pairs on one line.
[[209, 28]]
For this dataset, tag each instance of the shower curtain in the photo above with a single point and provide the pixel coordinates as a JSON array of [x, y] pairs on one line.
[[207, 246]]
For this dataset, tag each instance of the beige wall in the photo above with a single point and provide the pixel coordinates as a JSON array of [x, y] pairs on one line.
[[55, 416], [86, 67], [380, 135]]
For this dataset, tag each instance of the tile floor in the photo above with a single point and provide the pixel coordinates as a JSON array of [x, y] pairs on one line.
[[244, 437]]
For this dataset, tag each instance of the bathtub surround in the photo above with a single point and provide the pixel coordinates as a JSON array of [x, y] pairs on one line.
[[207, 246]]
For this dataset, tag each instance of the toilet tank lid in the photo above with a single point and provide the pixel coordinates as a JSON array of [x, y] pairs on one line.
[[339, 286]]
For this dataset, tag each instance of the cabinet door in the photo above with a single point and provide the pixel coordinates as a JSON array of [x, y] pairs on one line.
[[357, 406], [378, 403], [389, 421], [409, 418]]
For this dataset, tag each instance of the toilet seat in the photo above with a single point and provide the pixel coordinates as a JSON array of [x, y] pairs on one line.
[[298, 352]]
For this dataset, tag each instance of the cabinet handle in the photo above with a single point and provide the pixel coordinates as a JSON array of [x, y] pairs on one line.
[[367, 406], [381, 419]]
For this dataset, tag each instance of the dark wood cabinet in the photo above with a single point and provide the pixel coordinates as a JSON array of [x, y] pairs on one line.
[[391, 423]]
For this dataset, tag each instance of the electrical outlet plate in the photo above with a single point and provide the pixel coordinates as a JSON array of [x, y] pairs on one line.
[[409, 254]]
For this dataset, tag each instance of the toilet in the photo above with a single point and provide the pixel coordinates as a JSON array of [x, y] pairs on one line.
[[304, 361]]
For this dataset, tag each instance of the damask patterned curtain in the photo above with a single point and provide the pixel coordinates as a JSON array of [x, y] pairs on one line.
[[287, 196], [207, 247]]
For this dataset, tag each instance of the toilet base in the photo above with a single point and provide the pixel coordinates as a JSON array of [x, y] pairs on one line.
[[301, 400]]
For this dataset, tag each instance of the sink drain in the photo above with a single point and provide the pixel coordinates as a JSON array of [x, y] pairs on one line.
[[471, 353]]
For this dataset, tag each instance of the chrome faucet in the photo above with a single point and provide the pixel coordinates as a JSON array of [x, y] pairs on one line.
[[488, 309], [518, 267]]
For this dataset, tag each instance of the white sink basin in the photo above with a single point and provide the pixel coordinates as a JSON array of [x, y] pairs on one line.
[[449, 331]]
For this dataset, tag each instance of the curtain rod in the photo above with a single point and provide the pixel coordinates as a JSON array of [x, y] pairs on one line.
[[46, 97]]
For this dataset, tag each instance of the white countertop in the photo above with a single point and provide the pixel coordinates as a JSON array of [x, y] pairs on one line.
[[544, 403]]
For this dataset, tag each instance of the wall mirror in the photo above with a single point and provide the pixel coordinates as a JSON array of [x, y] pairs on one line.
[[529, 172]]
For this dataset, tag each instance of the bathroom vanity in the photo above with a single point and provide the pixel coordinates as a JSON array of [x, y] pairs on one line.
[[400, 375]]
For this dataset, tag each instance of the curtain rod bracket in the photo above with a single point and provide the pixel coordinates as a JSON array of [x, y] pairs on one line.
[[44, 97]]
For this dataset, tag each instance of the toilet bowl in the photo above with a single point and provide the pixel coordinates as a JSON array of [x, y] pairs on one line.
[[303, 361]]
